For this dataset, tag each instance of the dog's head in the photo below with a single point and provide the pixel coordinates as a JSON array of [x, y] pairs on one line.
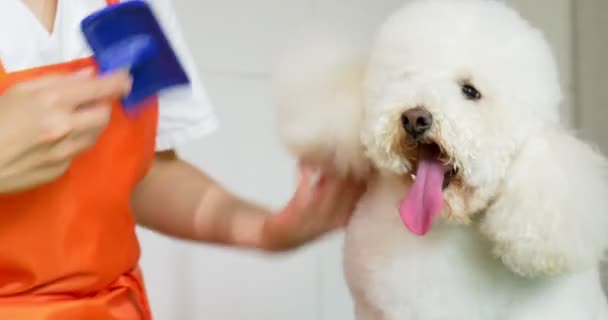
[[453, 89]]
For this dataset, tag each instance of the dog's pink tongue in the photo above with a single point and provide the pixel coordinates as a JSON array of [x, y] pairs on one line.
[[425, 198]]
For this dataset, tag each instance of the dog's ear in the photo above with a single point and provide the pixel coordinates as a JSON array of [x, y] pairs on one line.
[[318, 94], [551, 214]]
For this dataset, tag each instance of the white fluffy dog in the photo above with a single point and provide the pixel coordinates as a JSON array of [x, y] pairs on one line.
[[452, 115]]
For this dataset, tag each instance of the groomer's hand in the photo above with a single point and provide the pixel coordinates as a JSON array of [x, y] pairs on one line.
[[46, 122], [323, 202]]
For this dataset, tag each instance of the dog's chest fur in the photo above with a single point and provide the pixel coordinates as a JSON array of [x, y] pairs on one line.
[[448, 274]]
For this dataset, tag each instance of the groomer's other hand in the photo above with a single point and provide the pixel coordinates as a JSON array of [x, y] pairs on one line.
[[46, 122], [322, 203]]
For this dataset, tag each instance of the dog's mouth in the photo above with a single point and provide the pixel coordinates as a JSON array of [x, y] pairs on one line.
[[431, 176], [450, 171]]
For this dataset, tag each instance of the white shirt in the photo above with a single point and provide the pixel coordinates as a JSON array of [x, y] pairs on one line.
[[25, 43]]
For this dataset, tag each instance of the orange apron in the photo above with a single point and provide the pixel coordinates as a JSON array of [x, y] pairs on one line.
[[68, 249]]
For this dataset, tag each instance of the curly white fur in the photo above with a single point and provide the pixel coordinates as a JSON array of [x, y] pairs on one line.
[[524, 228], [551, 213], [314, 98]]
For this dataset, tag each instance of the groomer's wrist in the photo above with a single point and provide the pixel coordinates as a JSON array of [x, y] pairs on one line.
[[248, 222]]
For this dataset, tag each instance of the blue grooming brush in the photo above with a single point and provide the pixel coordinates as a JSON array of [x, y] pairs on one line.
[[128, 36]]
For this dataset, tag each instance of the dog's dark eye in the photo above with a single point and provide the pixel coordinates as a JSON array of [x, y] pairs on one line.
[[470, 92]]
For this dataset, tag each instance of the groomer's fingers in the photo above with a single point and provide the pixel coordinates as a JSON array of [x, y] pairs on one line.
[[94, 90], [85, 127], [70, 91], [90, 121], [53, 81], [346, 206], [91, 117]]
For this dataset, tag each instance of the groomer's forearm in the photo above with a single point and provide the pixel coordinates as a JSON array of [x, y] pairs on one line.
[[178, 200]]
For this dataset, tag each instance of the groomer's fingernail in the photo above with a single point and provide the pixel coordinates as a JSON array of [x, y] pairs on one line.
[[129, 84], [306, 174], [124, 73], [124, 78], [315, 177]]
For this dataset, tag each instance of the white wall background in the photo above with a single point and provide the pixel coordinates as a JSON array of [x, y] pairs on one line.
[[236, 43]]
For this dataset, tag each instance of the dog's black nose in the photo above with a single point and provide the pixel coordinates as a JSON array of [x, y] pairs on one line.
[[416, 122]]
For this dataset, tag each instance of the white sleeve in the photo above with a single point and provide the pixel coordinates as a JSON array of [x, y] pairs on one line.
[[187, 113]]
